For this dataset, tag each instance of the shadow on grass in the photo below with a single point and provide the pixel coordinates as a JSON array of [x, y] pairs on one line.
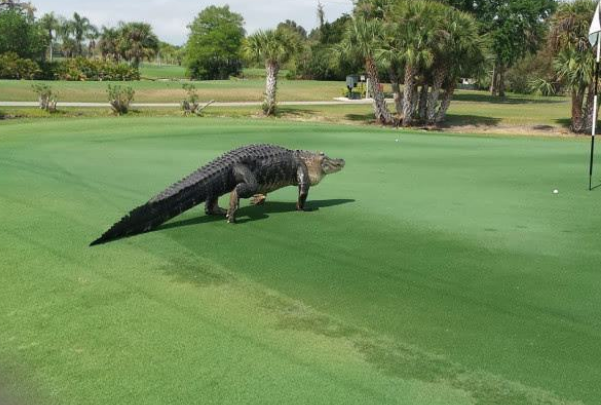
[[283, 112], [465, 119], [511, 99], [564, 122], [251, 213], [369, 117], [452, 120]]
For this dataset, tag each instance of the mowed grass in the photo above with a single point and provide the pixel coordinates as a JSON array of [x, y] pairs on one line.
[[473, 111], [172, 92], [433, 270], [155, 71]]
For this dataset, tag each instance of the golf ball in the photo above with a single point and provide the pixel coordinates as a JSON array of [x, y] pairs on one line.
[[555, 191]]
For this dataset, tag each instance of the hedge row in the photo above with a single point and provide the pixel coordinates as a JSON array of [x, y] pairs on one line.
[[77, 69]]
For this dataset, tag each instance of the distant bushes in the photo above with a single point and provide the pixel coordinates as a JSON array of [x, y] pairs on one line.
[[76, 69], [14, 67], [79, 69], [534, 74]]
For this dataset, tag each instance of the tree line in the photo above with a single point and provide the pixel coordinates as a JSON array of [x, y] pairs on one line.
[[422, 47], [30, 45]]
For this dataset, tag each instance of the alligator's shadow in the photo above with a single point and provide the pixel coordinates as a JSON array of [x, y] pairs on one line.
[[250, 213]]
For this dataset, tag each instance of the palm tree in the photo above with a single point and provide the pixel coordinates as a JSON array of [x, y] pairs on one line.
[[574, 58], [92, 38], [459, 51], [366, 39], [414, 31], [138, 42], [64, 31], [50, 24], [81, 28], [109, 44], [274, 48], [394, 67]]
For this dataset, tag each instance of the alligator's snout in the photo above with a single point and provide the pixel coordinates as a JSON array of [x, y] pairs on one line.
[[333, 165]]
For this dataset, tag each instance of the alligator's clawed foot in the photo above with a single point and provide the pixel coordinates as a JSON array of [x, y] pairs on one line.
[[258, 199], [231, 219]]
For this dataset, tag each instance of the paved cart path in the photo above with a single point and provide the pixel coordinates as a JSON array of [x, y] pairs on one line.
[[176, 105]]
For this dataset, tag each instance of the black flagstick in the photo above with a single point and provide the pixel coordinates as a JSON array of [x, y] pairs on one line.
[[590, 177]]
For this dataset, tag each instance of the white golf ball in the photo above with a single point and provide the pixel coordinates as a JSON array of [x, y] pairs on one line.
[[555, 191]]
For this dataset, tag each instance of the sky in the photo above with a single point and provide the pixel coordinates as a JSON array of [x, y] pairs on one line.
[[170, 18]]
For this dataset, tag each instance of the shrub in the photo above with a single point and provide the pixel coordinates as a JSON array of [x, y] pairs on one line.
[[48, 70], [80, 69], [543, 87], [532, 74], [190, 104], [75, 69], [120, 98], [46, 97], [14, 67]]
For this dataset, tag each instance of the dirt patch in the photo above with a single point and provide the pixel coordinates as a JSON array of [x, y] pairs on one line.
[[518, 130]]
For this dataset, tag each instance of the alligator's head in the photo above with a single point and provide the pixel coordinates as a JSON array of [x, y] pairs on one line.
[[320, 165]]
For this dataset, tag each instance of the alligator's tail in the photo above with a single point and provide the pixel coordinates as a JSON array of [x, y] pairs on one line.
[[176, 199]]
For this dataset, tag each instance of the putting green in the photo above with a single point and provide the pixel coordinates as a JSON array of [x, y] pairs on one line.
[[434, 270]]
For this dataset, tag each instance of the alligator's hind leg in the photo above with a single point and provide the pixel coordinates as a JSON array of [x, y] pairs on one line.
[[246, 187], [212, 207], [258, 199]]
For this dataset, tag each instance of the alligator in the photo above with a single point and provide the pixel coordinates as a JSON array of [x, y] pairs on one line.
[[248, 172]]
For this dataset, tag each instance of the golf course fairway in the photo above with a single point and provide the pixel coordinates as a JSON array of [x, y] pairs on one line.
[[434, 269]]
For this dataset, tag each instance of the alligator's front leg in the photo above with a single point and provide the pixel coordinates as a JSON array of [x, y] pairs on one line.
[[246, 187], [304, 183]]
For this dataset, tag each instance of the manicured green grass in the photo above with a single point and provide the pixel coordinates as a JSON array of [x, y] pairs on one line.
[[155, 71], [255, 73], [434, 270], [171, 91]]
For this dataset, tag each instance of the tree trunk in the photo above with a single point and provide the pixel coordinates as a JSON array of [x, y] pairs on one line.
[[136, 62], [414, 102], [446, 102], [409, 101], [50, 46], [497, 87], [577, 98], [383, 116], [396, 91], [423, 102], [271, 86], [501, 81], [440, 75], [588, 108], [493, 82]]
